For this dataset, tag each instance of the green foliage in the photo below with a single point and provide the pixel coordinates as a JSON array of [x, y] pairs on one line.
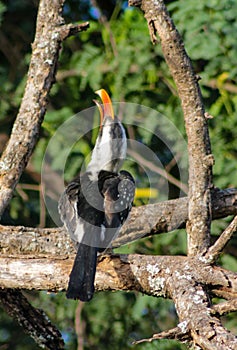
[[123, 327], [118, 56], [210, 35], [209, 40]]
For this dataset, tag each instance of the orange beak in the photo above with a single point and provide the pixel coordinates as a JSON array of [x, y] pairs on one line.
[[107, 109]]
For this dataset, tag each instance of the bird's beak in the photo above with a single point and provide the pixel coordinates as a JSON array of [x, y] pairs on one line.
[[107, 109], [101, 112]]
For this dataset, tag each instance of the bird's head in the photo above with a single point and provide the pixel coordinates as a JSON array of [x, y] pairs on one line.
[[111, 144]]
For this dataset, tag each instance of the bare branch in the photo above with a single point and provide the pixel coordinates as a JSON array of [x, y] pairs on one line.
[[143, 221], [215, 250], [33, 320], [135, 3], [41, 75], [68, 30], [174, 333], [199, 149], [181, 278], [147, 274], [224, 307], [206, 330]]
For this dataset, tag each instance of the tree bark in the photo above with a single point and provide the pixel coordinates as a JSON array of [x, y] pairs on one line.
[[143, 221], [147, 274], [199, 148], [183, 279], [50, 32], [33, 320]]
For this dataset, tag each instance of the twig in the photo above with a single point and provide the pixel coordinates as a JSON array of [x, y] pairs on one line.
[[79, 326], [224, 307], [42, 207], [174, 333], [183, 187], [21, 187], [39, 188], [215, 250], [213, 83], [103, 20], [68, 30]]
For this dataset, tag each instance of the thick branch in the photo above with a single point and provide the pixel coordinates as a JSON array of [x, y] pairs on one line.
[[199, 149], [147, 274], [144, 221], [181, 278], [41, 75], [206, 330]]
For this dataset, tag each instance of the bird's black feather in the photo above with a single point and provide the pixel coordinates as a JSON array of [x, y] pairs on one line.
[[81, 281], [118, 192]]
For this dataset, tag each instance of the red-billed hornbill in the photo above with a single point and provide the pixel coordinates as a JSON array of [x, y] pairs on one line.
[[94, 206]]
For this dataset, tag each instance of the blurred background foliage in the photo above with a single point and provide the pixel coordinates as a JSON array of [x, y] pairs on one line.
[[116, 53]]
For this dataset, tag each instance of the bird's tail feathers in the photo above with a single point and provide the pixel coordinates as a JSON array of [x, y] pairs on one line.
[[81, 281]]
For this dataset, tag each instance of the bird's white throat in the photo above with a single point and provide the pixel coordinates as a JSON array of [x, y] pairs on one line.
[[109, 152]]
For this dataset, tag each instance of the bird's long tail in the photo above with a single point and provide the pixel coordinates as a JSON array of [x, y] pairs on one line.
[[81, 282]]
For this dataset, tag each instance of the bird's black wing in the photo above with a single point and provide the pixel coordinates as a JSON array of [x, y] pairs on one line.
[[118, 191]]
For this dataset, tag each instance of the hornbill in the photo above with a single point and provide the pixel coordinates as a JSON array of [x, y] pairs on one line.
[[95, 204]]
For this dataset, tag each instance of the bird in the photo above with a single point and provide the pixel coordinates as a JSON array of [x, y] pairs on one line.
[[95, 205]]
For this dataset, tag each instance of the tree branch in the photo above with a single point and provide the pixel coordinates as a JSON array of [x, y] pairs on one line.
[[182, 279], [33, 320], [174, 333], [143, 221], [199, 149], [206, 331], [41, 75], [148, 274], [224, 307], [215, 250]]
